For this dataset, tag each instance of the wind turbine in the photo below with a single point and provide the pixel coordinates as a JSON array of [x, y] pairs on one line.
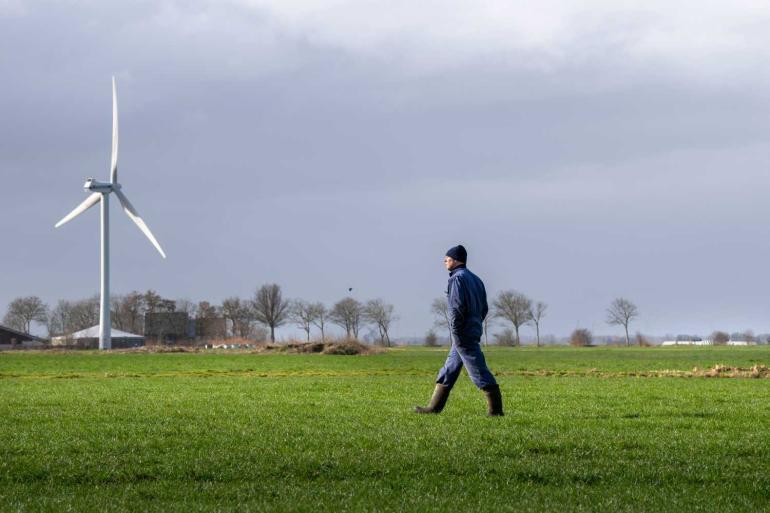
[[100, 192]]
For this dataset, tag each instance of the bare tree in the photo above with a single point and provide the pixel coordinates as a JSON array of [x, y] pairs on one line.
[[581, 338], [514, 307], [186, 306], [270, 308], [440, 310], [536, 313], [304, 314], [206, 310], [720, 338], [128, 312], [620, 313], [379, 313], [70, 316], [154, 303], [60, 318], [85, 313], [240, 314], [347, 314], [431, 340], [23, 311], [321, 315]]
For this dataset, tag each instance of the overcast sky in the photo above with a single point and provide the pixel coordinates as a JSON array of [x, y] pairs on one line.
[[580, 151]]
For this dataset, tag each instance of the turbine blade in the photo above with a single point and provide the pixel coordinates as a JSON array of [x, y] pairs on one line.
[[129, 209], [89, 202], [114, 164]]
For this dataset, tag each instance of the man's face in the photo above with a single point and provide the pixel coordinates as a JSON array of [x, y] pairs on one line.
[[449, 262]]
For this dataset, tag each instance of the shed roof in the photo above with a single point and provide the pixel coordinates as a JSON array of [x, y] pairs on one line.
[[93, 332], [20, 333]]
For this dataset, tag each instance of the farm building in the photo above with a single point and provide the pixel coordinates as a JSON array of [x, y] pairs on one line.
[[12, 339], [210, 328], [171, 327], [89, 339], [168, 326]]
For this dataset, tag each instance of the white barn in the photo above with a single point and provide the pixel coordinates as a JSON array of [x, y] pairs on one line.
[[89, 339]]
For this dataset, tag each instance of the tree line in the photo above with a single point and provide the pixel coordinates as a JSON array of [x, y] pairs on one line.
[[509, 306], [518, 310], [256, 317]]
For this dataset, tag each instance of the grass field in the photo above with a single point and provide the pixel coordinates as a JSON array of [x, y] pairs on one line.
[[85, 431]]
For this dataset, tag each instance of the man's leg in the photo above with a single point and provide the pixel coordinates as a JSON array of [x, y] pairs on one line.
[[471, 356], [474, 361], [446, 379], [449, 373]]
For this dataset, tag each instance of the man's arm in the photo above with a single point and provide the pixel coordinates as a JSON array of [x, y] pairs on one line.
[[456, 305]]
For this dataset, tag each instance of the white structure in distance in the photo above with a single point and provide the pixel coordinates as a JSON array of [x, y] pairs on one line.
[[705, 343], [92, 334], [100, 192]]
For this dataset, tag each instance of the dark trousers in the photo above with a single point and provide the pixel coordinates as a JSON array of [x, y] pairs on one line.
[[467, 353]]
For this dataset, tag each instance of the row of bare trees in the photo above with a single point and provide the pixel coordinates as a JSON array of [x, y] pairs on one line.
[[269, 308], [509, 305], [349, 314], [518, 310], [259, 316], [266, 310]]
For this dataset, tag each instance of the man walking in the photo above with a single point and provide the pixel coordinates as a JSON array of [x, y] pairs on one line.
[[467, 301]]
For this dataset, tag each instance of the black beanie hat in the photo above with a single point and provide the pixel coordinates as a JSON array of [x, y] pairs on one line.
[[458, 253]]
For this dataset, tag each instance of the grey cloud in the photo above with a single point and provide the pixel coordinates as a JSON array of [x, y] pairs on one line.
[[261, 148]]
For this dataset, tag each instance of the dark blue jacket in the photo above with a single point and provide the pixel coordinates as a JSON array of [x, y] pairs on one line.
[[467, 301]]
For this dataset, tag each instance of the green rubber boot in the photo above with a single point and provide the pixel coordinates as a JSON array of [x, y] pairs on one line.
[[437, 402], [494, 401]]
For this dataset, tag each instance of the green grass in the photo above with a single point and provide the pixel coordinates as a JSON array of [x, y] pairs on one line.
[[85, 431]]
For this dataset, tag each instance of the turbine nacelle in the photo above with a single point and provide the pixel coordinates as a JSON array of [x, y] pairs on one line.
[[101, 187]]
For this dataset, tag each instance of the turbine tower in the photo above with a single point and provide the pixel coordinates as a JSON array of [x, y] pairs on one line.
[[100, 192]]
